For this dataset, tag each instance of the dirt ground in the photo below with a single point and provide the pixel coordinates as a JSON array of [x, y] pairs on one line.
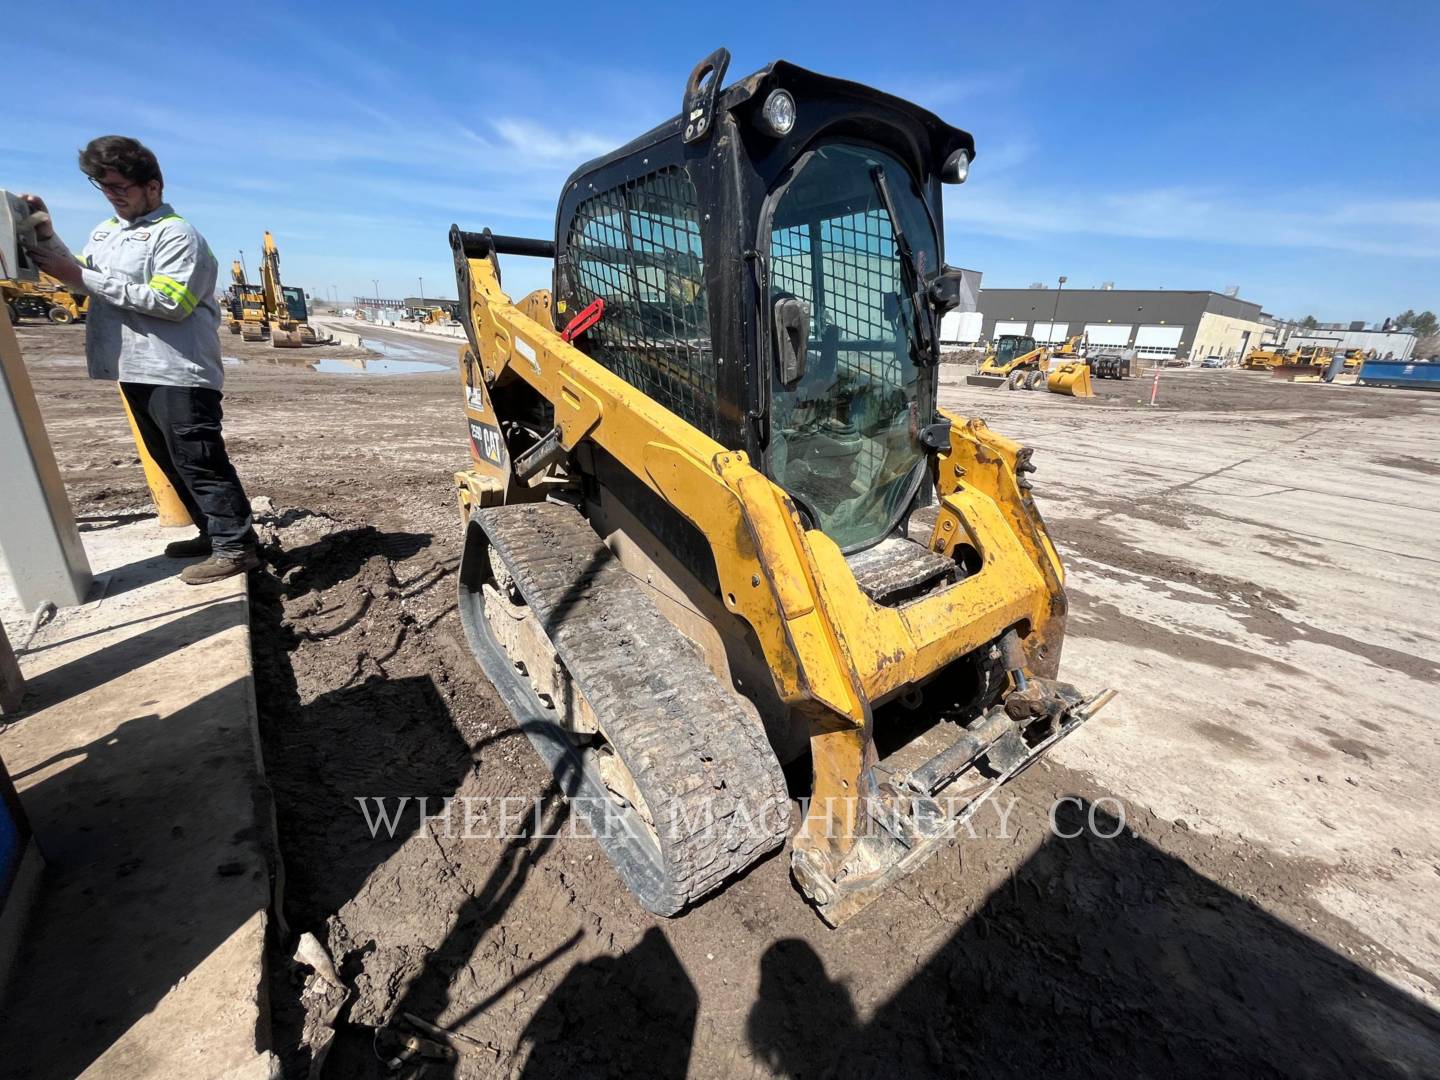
[[1232, 871]]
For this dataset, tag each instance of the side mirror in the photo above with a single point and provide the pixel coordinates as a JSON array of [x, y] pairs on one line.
[[792, 338], [955, 289]]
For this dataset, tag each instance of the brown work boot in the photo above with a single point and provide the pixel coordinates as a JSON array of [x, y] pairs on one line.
[[220, 566], [186, 549]]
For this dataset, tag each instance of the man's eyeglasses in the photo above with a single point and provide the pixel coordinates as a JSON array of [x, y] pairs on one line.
[[111, 189]]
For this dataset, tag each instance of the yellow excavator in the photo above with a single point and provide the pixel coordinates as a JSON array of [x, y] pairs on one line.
[[715, 522], [44, 298], [246, 307], [285, 308]]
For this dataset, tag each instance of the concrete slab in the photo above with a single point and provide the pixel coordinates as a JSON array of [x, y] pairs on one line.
[[136, 758]]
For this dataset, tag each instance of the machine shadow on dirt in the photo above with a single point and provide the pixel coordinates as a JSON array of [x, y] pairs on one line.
[[1101, 955]]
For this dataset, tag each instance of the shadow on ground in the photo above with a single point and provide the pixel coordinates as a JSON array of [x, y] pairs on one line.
[[379, 738], [125, 818], [85, 673], [339, 556], [1101, 956]]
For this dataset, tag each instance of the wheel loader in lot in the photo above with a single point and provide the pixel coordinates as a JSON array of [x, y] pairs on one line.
[[715, 522]]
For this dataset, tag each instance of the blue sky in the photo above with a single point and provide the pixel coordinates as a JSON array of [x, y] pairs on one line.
[[1292, 149]]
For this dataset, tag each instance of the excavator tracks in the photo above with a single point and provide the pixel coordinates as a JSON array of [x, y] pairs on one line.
[[712, 798]]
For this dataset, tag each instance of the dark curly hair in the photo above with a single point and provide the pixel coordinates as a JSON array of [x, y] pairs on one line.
[[131, 158]]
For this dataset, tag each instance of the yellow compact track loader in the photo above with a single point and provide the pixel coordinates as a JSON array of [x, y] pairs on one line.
[[715, 522]]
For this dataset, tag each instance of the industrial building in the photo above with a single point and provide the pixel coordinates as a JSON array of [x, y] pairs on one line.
[[1157, 324], [425, 303], [1391, 344]]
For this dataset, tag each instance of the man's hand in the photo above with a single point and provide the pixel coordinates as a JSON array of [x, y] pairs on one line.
[[43, 230], [58, 266]]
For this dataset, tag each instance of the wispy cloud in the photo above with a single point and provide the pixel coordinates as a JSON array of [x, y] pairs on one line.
[[534, 142], [1408, 228]]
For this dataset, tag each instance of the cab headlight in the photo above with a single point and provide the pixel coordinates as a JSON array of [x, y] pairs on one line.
[[957, 167], [777, 115]]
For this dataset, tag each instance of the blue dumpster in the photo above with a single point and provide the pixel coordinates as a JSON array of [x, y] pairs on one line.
[[1401, 374]]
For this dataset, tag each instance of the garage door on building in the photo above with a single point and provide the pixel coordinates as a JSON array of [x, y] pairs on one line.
[[961, 327], [1158, 341], [1050, 333], [1108, 334], [1002, 328]]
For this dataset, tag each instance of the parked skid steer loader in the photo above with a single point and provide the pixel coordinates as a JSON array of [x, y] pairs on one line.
[[715, 521], [1015, 363]]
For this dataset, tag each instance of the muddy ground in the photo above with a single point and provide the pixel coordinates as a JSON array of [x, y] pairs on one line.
[[1231, 872]]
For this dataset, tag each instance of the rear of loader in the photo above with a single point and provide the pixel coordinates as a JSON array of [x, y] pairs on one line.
[[715, 522]]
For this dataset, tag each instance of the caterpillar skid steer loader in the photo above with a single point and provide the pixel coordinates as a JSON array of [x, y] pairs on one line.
[[715, 522], [1015, 363]]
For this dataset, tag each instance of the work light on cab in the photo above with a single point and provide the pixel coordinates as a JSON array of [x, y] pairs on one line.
[[777, 115]]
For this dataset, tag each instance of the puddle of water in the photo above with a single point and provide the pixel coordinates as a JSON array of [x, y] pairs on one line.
[[384, 366], [397, 356], [360, 365], [394, 349]]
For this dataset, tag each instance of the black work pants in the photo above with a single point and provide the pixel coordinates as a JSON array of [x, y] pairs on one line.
[[181, 429]]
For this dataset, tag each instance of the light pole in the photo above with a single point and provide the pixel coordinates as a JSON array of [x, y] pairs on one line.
[[1056, 313], [422, 292]]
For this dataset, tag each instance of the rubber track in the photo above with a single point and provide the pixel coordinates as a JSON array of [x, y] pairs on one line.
[[685, 736]]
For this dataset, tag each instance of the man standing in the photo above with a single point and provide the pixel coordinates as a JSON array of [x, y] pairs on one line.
[[153, 326]]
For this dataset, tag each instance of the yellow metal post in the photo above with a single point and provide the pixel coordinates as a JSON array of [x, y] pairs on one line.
[[168, 506]]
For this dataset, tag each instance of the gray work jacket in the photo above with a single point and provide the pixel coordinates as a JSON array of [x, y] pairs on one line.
[[153, 317]]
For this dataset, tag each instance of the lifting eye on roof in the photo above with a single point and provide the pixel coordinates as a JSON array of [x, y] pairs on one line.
[[701, 89], [957, 167]]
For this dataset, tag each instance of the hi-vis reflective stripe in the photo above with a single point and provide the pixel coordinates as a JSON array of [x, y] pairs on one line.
[[168, 286]]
